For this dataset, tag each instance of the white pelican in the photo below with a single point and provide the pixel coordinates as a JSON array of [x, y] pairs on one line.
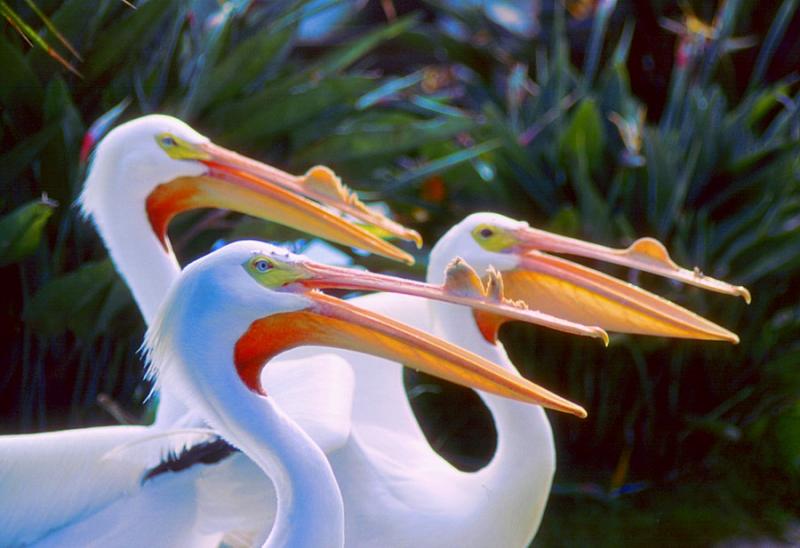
[[397, 490], [148, 170], [144, 173], [228, 315]]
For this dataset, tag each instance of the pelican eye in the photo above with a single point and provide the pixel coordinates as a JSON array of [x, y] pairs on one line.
[[262, 265], [493, 238], [272, 271], [178, 149]]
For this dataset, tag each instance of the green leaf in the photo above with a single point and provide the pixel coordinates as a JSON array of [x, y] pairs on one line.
[[267, 114], [240, 67], [440, 165], [566, 222], [59, 158], [21, 230], [79, 20], [16, 160], [388, 89], [19, 85], [767, 256], [584, 136], [33, 37], [348, 54], [765, 101], [72, 302], [380, 136], [117, 42], [772, 41], [594, 209]]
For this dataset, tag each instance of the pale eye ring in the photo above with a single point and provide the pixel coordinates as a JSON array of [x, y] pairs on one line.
[[486, 233], [262, 265], [169, 141]]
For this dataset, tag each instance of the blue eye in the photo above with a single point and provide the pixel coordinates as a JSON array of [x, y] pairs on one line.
[[169, 141], [262, 265]]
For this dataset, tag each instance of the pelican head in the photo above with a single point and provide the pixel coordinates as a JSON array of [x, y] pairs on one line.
[[255, 300], [575, 292], [157, 166]]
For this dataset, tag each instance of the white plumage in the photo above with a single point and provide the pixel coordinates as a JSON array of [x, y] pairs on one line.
[[396, 490], [61, 483]]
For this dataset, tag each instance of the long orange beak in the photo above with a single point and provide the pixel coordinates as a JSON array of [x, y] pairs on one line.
[[246, 186], [578, 293], [646, 254], [462, 287], [319, 184], [336, 323]]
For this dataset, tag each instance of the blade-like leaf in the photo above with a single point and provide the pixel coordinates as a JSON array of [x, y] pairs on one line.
[[19, 86], [584, 136], [21, 230], [381, 136], [16, 160], [30, 34], [117, 42], [72, 301], [266, 114]]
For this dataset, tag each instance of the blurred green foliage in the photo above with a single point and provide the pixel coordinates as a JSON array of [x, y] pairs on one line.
[[594, 122]]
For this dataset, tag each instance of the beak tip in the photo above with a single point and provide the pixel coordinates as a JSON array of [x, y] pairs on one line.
[[580, 412], [744, 294], [415, 237]]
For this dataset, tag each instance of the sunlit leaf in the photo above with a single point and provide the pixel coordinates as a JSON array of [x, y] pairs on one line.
[[30, 34], [584, 136], [21, 230], [53, 29], [265, 114], [381, 136]]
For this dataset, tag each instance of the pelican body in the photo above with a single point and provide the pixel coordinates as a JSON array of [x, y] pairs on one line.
[[147, 171], [397, 490], [143, 174], [235, 309]]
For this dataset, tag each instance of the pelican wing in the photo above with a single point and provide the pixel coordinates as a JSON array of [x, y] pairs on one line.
[[53, 479]]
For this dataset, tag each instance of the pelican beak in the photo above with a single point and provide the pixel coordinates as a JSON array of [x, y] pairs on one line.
[[333, 322], [462, 287], [240, 184], [319, 183], [578, 293], [329, 321]]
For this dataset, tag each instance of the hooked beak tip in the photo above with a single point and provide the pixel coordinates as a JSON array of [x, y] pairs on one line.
[[601, 333], [417, 239], [744, 294]]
